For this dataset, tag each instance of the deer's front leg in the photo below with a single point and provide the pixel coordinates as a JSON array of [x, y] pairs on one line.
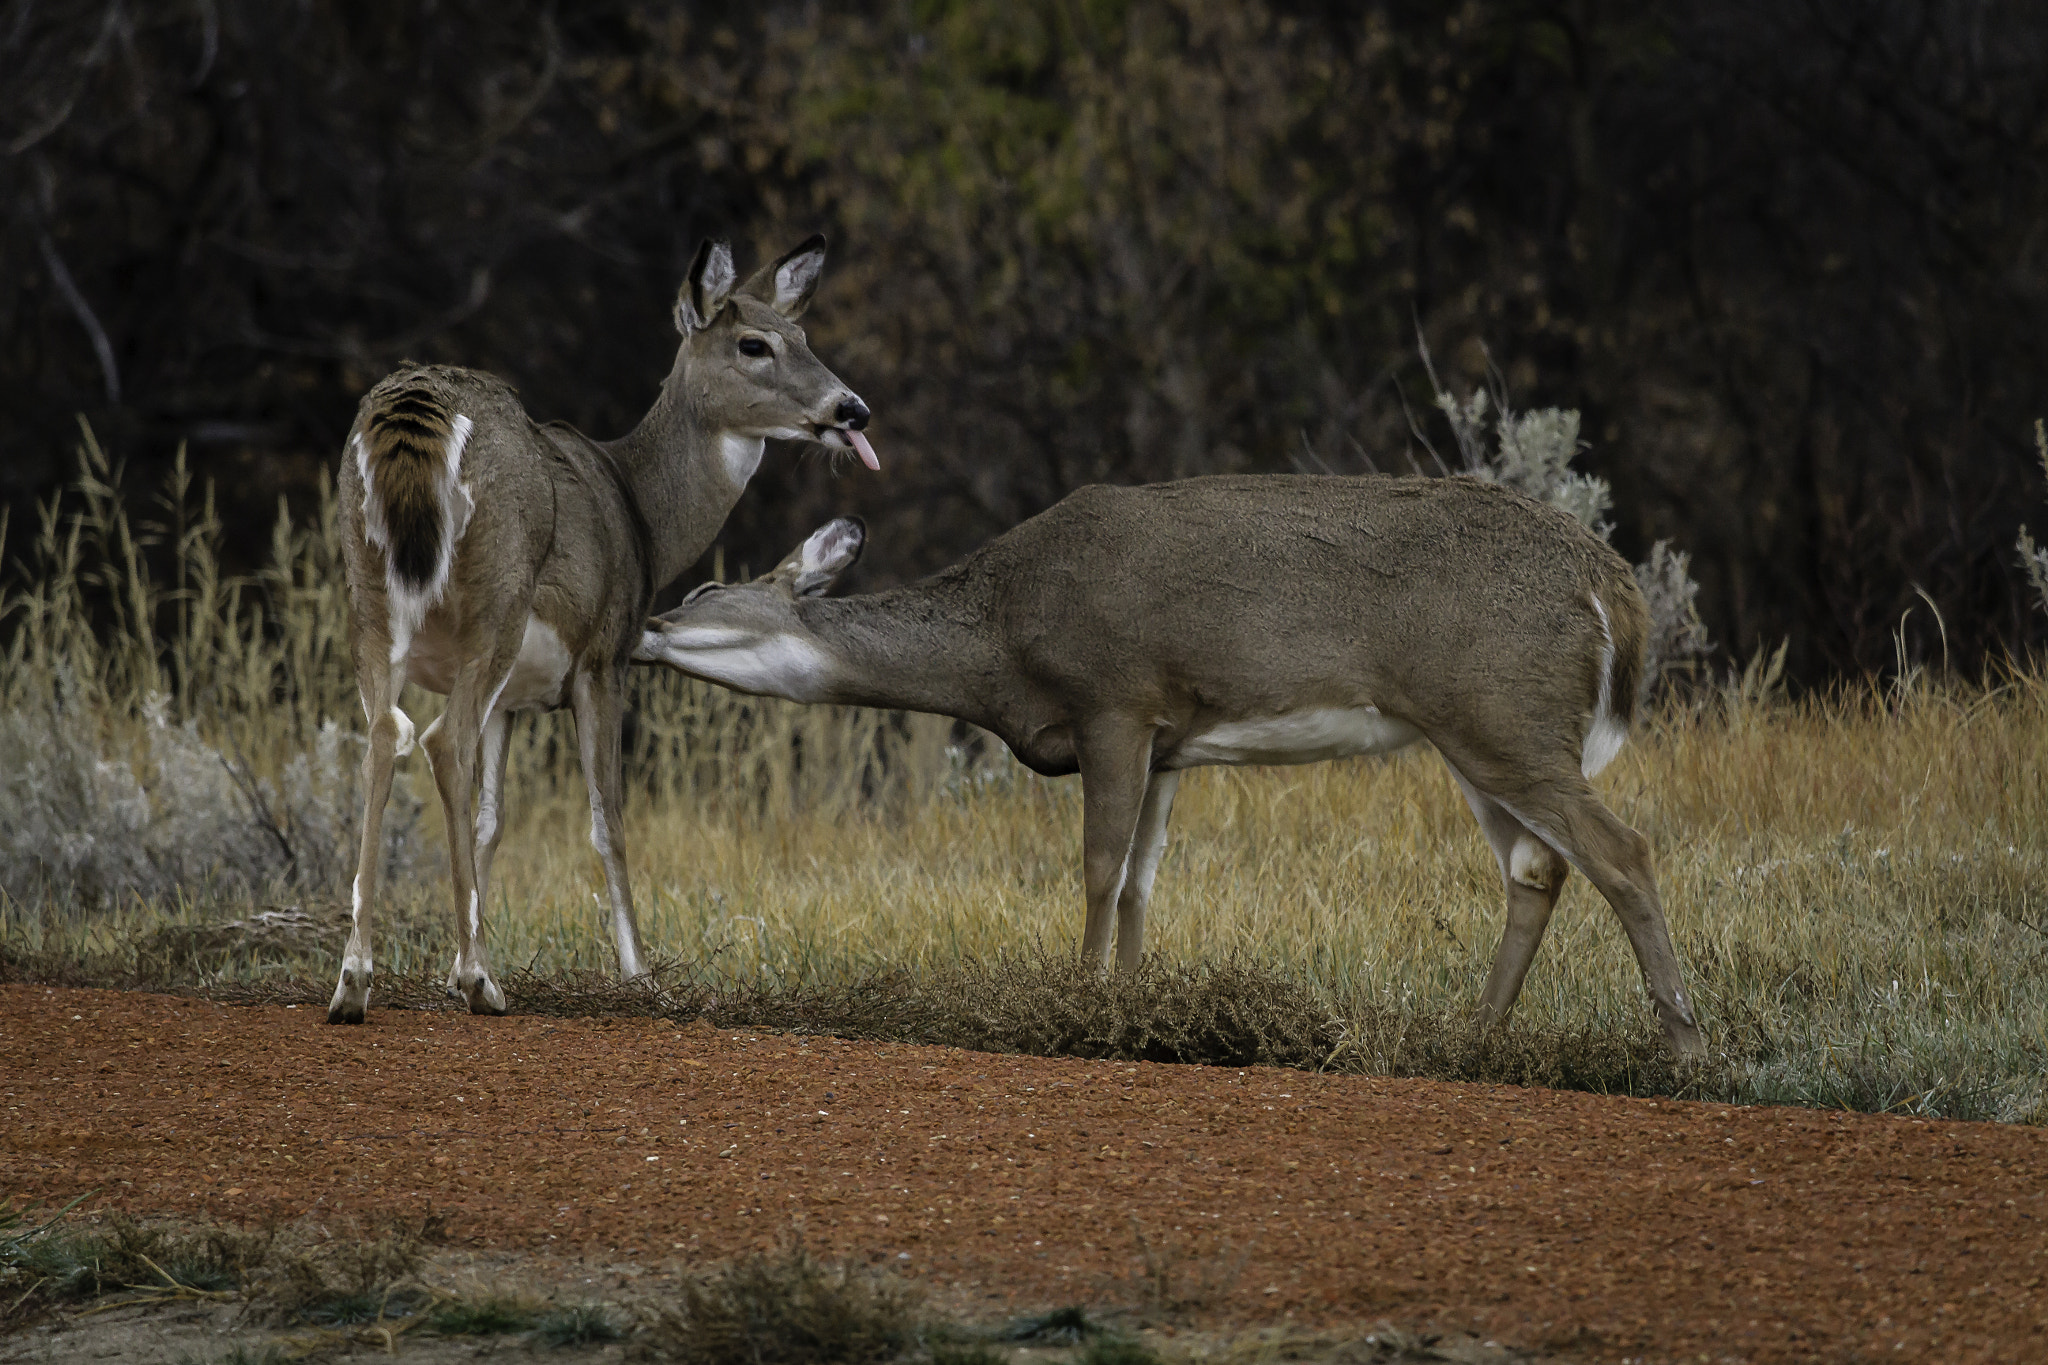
[[596, 699], [1115, 762]]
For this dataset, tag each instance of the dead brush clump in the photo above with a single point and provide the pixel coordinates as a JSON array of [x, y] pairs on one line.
[[491, 1315], [1179, 1280], [1231, 1012], [1039, 1003], [67, 1261], [361, 1274], [1392, 1039], [394, 990], [786, 1309]]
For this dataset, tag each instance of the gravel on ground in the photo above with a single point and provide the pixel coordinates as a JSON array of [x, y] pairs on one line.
[[1599, 1227]]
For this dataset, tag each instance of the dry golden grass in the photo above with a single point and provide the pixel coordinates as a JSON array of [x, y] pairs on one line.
[[1856, 881]]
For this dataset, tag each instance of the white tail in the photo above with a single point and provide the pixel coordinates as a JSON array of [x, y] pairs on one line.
[[1608, 731], [412, 476]]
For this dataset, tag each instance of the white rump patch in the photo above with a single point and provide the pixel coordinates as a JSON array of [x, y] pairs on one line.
[[741, 456], [459, 515], [1606, 734], [1309, 736]]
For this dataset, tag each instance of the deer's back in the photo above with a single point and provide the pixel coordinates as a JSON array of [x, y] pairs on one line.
[[1280, 591], [550, 524]]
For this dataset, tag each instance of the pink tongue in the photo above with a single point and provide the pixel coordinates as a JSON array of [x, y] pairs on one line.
[[866, 451]]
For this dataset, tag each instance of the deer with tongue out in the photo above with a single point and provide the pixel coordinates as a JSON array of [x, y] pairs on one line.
[[510, 565], [1129, 634]]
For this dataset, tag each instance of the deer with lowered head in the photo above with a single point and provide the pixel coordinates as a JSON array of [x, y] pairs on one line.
[[510, 566], [1131, 633]]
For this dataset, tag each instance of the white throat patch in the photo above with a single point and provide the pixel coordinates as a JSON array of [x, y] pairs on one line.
[[741, 456], [766, 665]]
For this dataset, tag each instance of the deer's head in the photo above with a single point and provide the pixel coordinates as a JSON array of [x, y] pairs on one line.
[[746, 367], [750, 636]]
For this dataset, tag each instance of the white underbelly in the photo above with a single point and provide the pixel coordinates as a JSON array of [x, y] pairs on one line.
[[1297, 737], [538, 678]]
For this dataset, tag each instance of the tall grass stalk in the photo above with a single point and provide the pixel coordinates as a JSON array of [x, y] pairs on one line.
[[1857, 881]]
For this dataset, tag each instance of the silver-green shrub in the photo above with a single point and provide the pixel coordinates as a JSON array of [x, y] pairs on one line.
[[167, 740], [1532, 452]]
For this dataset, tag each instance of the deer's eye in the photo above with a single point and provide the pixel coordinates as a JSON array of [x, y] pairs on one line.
[[753, 346]]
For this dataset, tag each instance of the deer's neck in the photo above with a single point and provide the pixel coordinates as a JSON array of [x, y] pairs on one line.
[[920, 648], [683, 473]]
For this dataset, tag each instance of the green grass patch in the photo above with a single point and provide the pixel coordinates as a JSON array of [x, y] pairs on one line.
[[70, 1261], [495, 1315], [1067, 1326], [579, 1324], [1118, 1350], [965, 1353]]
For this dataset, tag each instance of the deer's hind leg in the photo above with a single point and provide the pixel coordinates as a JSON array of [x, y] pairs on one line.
[[380, 681], [1553, 800], [1533, 874], [452, 746]]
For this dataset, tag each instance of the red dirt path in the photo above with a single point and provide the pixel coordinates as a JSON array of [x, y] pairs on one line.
[[1602, 1227]]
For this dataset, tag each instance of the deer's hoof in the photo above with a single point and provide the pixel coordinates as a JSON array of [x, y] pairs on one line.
[[351, 996], [1688, 1049], [484, 996]]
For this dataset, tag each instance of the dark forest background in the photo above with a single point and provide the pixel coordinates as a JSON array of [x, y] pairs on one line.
[[1787, 256]]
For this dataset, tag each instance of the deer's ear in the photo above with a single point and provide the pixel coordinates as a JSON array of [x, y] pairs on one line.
[[830, 552], [706, 288], [787, 285]]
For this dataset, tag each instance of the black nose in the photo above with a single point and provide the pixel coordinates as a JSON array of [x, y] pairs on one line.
[[853, 412]]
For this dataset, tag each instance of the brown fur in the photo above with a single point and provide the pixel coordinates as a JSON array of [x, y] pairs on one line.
[[559, 543], [1116, 631], [1628, 616]]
